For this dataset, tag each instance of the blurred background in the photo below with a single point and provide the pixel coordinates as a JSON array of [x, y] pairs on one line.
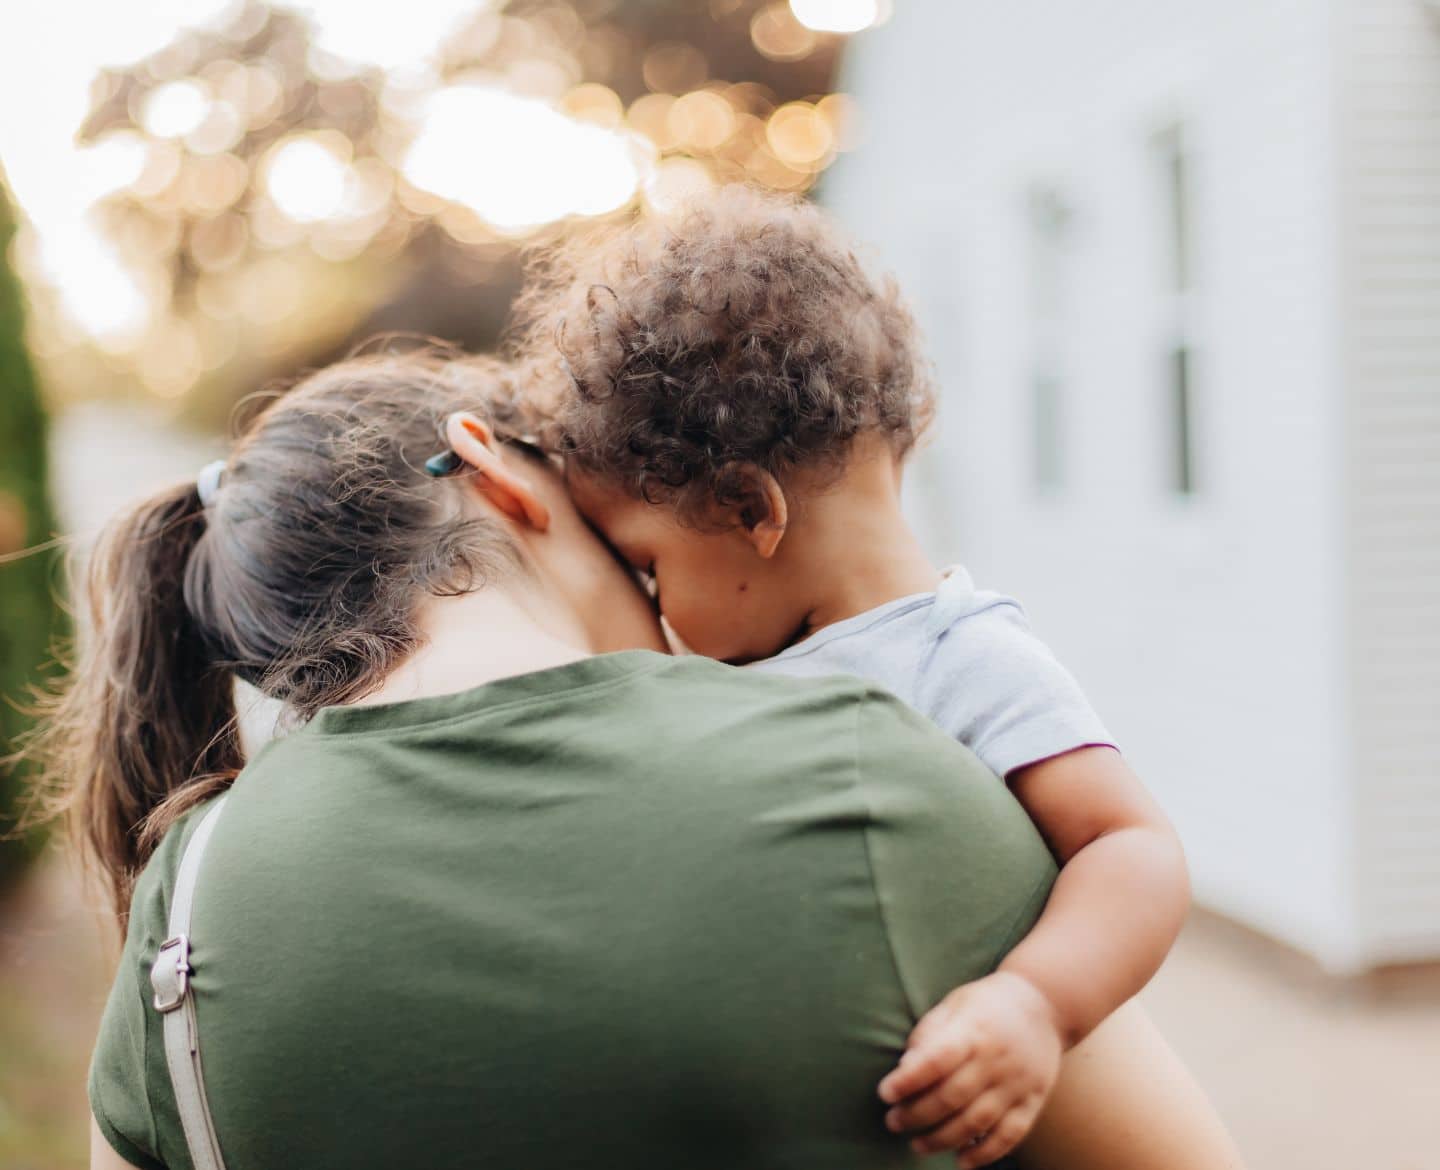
[[1179, 270]]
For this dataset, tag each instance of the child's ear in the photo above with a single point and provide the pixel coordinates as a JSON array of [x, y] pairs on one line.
[[757, 506], [473, 440]]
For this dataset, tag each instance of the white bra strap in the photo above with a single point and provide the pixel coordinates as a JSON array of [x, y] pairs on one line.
[[170, 977]]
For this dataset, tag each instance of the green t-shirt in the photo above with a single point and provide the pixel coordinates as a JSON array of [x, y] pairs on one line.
[[630, 912]]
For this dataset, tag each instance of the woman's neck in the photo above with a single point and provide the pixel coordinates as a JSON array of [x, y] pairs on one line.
[[476, 638]]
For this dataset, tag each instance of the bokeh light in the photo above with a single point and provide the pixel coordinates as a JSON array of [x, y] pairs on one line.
[[219, 243], [306, 179], [344, 134], [799, 136], [107, 166], [97, 291], [212, 183], [218, 130], [650, 116], [765, 168], [674, 67], [161, 165], [702, 120], [257, 92], [839, 16], [518, 162], [380, 35], [594, 103], [171, 359], [174, 109], [777, 35]]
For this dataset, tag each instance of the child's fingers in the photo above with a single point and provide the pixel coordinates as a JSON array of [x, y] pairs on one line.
[[1008, 1133], [951, 1096], [931, 1025], [920, 1068], [983, 1115]]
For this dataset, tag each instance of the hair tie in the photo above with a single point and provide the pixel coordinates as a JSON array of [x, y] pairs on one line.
[[207, 483]]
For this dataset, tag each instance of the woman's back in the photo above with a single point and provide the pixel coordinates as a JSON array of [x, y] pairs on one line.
[[633, 911]]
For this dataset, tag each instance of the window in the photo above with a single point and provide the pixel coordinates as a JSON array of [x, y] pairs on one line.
[[1175, 183], [1176, 180], [1045, 414], [1048, 220], [1180, 420]]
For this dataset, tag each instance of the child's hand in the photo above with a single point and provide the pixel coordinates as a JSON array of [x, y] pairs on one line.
[[978, 1068]]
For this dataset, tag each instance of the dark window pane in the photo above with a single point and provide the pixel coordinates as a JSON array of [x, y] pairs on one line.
[[1045, 405], [1175, 179], [1048, 227], [1182, 419]]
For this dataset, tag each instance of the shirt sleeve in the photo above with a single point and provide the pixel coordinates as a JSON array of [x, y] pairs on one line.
[[996, 687], [960, 872], [121, 1065]]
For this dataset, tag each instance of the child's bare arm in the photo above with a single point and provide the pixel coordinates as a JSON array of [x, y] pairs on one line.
[[1122, 894], [981, 1064]]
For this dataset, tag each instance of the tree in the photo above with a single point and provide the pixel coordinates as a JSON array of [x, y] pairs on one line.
[[251, 276], [29, 616]]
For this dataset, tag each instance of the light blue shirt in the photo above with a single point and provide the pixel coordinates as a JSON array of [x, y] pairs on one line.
[[968, 660]]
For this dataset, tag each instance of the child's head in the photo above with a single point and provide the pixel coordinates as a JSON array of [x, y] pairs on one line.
[[713, 371]]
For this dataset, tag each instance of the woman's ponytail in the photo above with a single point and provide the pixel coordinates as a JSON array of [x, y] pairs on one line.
[[302, 577], [146, 726]]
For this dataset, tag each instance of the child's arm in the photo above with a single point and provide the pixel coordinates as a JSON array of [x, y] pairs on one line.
[[1122, 894], [980, 1065]]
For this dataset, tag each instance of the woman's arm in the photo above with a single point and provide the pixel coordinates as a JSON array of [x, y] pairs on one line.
[[102, 1154], [980, 1065], [1125, 1102]]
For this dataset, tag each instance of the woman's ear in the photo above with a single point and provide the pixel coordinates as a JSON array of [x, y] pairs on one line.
[[758, 507], [472, 439]]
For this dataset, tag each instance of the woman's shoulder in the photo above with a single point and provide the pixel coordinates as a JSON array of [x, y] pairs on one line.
[[155, 884], [884, 746]]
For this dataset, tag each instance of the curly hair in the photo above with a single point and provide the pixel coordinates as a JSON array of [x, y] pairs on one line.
[[668, 352]]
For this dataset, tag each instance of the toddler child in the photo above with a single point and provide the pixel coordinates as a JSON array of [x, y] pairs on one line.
[[735, 400]]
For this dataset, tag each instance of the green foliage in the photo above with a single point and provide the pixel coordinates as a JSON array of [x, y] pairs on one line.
[[29, 616]]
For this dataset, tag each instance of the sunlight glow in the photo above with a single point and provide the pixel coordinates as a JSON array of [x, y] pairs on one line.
[[47, 74], [306, 180], [114, 162], [378, 35], [518, 162], [837, 16], [95, 288], [675, 182], [174, 109]]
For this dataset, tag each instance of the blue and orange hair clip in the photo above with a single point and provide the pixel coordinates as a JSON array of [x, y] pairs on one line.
[[446, 462]]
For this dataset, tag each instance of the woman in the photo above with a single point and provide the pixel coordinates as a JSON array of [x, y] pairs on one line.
[[521, 888]]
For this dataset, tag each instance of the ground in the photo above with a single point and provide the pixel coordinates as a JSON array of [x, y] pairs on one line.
[[1308, 1072]]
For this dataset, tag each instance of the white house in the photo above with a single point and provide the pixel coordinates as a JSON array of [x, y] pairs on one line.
[[1179, 269]]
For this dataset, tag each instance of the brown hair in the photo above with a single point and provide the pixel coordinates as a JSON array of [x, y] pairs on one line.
[[742, 330], [301, 577]]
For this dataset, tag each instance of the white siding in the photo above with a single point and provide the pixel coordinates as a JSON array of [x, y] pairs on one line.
[[1390, 155], [1208, 629]]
